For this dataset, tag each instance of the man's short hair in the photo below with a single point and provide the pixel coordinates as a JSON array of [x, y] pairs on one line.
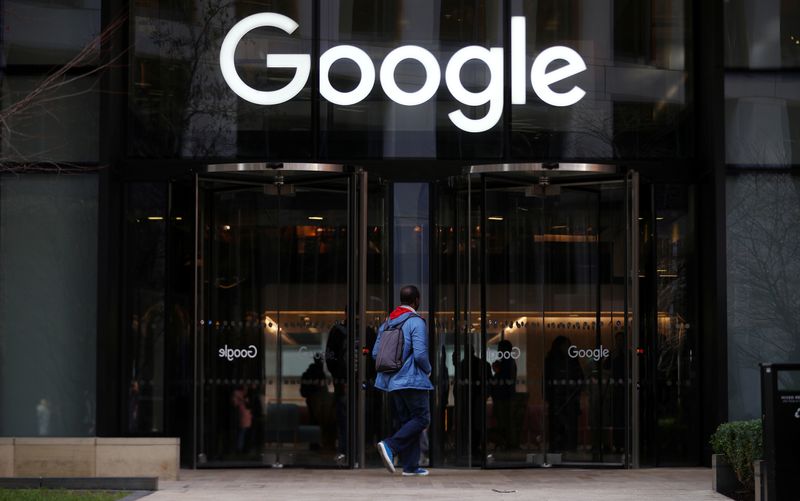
[[408, 294]]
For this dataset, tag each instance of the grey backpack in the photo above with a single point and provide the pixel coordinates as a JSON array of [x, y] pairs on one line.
[[390, 354]]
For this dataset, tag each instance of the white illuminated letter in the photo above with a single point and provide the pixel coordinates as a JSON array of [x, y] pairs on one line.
[[518, 60], [301, 62], [492, 94], [542, 80], [433, 75], [365, 65]]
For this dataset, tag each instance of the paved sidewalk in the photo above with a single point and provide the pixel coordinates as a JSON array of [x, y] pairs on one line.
[[663, 484]]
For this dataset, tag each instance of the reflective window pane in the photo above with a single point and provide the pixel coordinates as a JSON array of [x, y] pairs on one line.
[[144, 309], [48, 303], [56, 122], [675, 344], [378, 127], [763, 253], [763, 34], [181, 105], [636, 82], [47, 32], [556, 337], [273, 336], [762, 119]]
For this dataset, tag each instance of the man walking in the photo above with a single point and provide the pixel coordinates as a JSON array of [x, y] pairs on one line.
[[408, 387]]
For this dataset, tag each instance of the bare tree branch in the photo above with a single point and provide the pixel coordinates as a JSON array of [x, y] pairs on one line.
[[85, 68]]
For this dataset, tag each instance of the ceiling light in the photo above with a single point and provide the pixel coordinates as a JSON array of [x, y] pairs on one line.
[[316, 218], [495, 218], [155, 218]]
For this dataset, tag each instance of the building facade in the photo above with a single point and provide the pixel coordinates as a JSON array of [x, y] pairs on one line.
[[207, 208]]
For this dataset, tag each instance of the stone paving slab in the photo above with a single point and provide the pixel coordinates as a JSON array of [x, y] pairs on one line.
[[661, 484]]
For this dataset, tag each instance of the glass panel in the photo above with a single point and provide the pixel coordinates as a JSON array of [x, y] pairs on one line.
[[789, 381], [238, 331], [555, 328], [514, 261], [412, 240], [47, 32], [180, 103], [144, 309], [55, 122], [762, 119], [275, 371], [763, 252], [379, 298], [377, 127], [676, 343], [458, 411], [48, 245], [637, 84], [762, 34], [312, 303]]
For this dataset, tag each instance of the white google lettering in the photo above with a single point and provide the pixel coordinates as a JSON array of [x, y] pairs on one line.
[[542, 80], [595, 354], [302, 62], [492, 94], [433, 75], [364, 63], [231, 353]]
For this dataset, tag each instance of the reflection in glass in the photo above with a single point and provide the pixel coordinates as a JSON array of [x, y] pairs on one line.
[[763, 256], [459, 364], [61, 124], [676, 377], [275, 370], [762, 119], [47, 33], [145, 306], [637, 82], [181, 106], [555, 323], [762, 34], [378, 127]]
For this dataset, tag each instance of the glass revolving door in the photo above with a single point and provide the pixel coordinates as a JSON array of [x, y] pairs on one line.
[[272, 328]]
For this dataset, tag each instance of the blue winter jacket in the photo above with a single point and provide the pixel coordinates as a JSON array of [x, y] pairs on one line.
[[416, 368]]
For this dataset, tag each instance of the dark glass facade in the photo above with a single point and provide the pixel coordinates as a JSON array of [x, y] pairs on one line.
[[600, 277], [637, 84]]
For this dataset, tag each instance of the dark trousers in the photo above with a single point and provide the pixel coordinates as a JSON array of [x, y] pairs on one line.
[[412, 410], [340, 396]]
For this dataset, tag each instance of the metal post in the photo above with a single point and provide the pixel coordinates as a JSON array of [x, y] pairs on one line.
[[467, 320], [362, 315], [197, 393], [633, 445]]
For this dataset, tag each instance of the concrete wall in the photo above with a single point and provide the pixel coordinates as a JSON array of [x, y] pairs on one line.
[[90, 457], [6, 457]]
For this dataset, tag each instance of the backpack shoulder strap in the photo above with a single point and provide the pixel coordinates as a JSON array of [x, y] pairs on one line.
[[407, 318]]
